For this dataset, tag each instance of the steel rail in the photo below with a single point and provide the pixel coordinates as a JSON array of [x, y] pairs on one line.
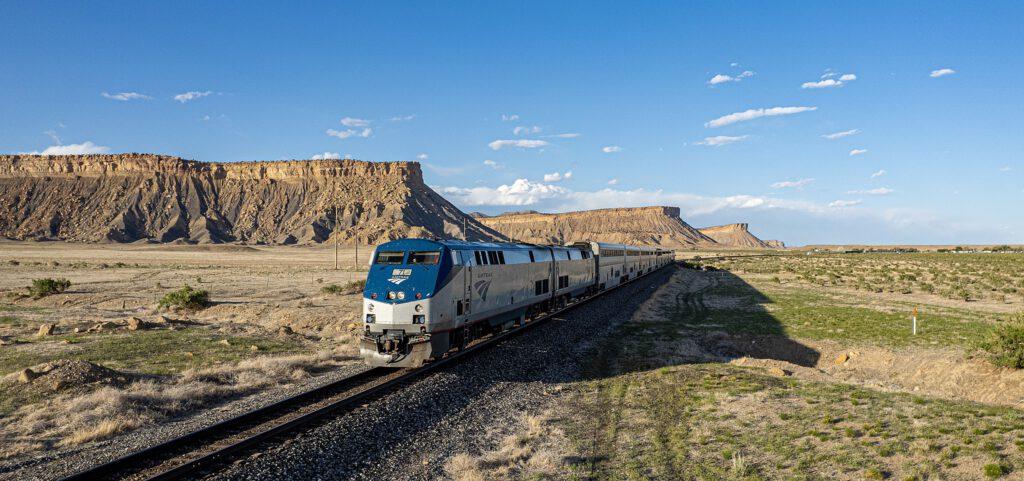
[[160, 458]]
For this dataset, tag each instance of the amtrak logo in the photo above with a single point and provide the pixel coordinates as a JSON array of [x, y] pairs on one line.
[[399, 275], [481, 288]]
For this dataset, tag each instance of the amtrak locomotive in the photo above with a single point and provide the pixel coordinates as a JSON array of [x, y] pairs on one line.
[[424, 297]]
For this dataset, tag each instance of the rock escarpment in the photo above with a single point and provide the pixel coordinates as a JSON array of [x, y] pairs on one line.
[[737, 235], [132, 197], [660, 226]]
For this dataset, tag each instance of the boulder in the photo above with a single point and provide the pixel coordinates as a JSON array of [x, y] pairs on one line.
[[842, 358], [777, 371], [26, 376], [46, 330], [134, 324]]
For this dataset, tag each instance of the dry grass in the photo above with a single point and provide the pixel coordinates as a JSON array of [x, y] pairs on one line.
[[535, 451], [107, 411]]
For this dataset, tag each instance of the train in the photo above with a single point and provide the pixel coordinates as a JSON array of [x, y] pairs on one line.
[[426, 297]]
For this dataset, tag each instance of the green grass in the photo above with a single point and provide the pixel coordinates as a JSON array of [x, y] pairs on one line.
[[354, 287], [151, 352]]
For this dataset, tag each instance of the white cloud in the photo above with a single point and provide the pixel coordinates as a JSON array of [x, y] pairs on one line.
[[423, 156], [344, 134], [878, 191], [723, 78], [613, 182], [1005, 168], [557, 177], [521, 192], [942, 72], [521, 143], [838, 204], [828, 80], [83, 148], [354, 122], [326, 156], [858, 152], [611, 148], [402, 118], [847, 77], [126, 96], [189, 96], [791, 184], [878, 174], [720, 140], [568, 135], [839, 135], [526, 130], [52, 134], [509, 117], [494, 165], [752, 114]]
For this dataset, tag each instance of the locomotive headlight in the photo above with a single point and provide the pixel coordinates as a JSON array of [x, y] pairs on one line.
[[419, 307], [401, 295], [391, 294]]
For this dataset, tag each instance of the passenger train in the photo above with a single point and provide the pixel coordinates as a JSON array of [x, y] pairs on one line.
[[424, 297]]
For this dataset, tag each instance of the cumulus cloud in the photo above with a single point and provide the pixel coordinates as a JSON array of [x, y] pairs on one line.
[[858, 152], [838, 204], [839, 135], [509, 117], [126, 96], [83, 148], [829, 80], [557, 177], [526, 130], [613, 182], [192, 95], [521, 192], [326, 156], [494, 165], [878, 174], [942, 72], [752, 114], [720, 140], [878, 191], [354, 122], [792, 184], [520, 143], [723, 78], [344, 134], [611, 148]]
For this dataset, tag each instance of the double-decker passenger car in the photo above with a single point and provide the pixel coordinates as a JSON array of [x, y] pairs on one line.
[[426, 297]]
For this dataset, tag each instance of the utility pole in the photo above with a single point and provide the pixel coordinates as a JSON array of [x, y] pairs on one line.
[[334, 200]]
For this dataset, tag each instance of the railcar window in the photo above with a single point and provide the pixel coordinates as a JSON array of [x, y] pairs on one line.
[[476, 254], [531, 257], [388, 257], [424, 257]]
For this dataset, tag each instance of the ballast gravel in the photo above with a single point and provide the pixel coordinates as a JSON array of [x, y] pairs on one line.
[[410, 433]]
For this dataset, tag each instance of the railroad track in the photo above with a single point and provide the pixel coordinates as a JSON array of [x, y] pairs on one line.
[[202, 450]]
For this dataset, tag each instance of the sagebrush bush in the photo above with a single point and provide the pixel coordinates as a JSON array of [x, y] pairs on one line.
[[1005, 347], [186, 298], [354, 287], [45, 287]]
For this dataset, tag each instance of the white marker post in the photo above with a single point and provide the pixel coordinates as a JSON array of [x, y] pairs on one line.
[[914, 318]]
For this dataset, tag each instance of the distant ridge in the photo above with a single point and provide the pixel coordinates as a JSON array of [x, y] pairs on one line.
[[660, 225], [134, 197], [738, 235]]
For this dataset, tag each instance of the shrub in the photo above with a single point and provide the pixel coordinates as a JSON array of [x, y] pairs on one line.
[[45, 287], [354, 287], [995, 470], [1005, 347], [186, 298]]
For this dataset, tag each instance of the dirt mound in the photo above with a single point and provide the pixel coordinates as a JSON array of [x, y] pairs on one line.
[[138, 197], [736, 235], [660, 226], [68, 373]]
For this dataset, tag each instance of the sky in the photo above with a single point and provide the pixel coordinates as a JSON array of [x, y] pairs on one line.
[[816, 123]]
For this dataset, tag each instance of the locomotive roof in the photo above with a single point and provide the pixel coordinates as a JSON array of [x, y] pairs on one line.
[[405, 244]]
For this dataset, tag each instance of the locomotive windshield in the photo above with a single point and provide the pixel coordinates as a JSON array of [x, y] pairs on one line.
[[424, 257], [389, 258]]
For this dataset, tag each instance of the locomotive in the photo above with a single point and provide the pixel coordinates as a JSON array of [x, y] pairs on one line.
[[425, 297]]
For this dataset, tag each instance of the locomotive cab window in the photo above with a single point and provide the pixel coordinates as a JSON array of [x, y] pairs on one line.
[[424, 257], [388, 258]]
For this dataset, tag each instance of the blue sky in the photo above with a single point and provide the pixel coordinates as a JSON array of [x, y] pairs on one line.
[[622, 96]]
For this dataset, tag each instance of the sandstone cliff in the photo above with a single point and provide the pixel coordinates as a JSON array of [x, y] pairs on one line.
[[130, 197], [660, 226], [735, 235]]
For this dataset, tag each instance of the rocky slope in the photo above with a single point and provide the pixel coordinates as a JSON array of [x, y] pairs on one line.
[[642, 225], [736, 235], [131, 197]]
